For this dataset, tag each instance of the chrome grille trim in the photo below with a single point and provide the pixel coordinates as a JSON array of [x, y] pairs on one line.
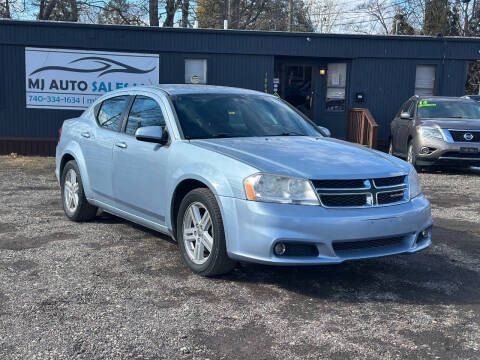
[[370, 190]]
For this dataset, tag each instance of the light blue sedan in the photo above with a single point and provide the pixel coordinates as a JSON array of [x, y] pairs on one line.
[[235, 174]]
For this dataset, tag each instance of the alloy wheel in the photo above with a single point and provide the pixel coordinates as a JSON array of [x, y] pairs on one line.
[[71, 191], [198, 233]]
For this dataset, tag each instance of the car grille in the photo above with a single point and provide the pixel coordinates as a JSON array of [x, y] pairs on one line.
[[362, 192], [459, 135], [366, 244]]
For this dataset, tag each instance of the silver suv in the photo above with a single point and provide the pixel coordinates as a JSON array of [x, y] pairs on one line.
[[434, 130]]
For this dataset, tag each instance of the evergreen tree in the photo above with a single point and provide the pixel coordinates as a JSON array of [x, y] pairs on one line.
[[436, 17]]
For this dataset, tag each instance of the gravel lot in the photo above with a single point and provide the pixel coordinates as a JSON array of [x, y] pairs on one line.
[[112, 289]]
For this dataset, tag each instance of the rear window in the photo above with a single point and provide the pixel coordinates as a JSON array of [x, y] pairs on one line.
[[428, 109], [110, 114]]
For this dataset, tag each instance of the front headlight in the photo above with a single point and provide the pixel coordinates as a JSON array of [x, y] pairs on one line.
[[414, 183], [430, 132], [280, 189]]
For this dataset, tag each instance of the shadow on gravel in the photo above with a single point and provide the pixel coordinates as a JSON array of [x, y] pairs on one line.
[[428, 277], [445, 274]]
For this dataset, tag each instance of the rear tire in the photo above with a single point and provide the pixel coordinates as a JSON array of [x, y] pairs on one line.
[[75, 204], [200, 234]]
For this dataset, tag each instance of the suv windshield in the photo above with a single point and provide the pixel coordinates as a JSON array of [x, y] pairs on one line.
[[428, 109], [236, 115]]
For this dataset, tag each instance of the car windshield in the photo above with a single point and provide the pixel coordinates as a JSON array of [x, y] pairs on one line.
[[428, 109], [237, 115]]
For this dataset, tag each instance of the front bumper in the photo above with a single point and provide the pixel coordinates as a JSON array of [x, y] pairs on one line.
[[447, 153], [253, 228]]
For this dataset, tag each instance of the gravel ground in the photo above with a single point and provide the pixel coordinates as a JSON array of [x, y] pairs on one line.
[[112, 289]]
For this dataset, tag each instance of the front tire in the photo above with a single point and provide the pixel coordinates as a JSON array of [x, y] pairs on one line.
[[200, 234], [390, 147], [75, 204], [411, 156]]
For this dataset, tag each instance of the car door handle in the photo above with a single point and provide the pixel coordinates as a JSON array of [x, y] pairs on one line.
[[85, 134], [121, 145]]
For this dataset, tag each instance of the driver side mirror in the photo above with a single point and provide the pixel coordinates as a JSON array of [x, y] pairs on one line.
[[405, 115], [325, 132], [154, 134]]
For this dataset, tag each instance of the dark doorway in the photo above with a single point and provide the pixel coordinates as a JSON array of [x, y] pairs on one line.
[[294, 83]]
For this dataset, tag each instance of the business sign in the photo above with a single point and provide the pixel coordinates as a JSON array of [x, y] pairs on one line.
[[73, 79]]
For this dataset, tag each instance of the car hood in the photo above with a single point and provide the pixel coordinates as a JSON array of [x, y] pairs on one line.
[[461, 124], [307, 157]]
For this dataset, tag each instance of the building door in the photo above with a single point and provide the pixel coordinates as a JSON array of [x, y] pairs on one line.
[[295, 83]]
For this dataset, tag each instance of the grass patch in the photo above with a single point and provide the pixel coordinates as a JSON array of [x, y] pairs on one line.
[[28, 164]]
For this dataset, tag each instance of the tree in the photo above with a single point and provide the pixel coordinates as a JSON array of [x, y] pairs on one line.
[[153, 12], [58, 10], [379, 12], [401, 26], [453, 22], [324, 14], [171, 7], [5, 10], [436, 17], [118, 12], [253, 14]]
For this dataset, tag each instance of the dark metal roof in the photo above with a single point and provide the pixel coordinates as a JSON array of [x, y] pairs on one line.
[[144, 38], [236, 31]]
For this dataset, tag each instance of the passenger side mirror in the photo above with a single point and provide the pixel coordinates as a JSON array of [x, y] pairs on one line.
[[325, 132], [155, 134], [405, 115]]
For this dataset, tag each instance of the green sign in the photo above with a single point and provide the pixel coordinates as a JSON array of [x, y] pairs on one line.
[[425, 103]]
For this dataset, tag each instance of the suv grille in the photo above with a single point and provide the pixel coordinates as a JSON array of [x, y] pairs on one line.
[[459, 135], [362, 192]]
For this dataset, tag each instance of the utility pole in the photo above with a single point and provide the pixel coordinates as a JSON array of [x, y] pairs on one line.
[[226, 13]]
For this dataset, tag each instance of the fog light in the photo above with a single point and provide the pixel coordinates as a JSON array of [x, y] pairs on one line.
[[279, 248], [424, 150], [424, 235]]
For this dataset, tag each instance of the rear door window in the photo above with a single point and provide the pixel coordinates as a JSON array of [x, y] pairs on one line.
[[110, 113], [145, 112]]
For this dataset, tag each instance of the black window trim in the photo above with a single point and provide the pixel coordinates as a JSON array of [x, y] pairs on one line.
[[126, 106], [129, 107]]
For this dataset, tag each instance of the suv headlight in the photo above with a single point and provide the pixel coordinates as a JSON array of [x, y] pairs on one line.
[[430, 132], [280, 189], [415, 188]]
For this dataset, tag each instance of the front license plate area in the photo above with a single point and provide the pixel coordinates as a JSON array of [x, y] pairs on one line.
[[469, 150]]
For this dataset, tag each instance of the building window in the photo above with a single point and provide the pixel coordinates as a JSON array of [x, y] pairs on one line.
[[336, 81], [195, 71], [425, 80]]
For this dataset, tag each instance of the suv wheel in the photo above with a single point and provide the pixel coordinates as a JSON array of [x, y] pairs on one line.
[[75, 204], [200, 234], [411, 157]]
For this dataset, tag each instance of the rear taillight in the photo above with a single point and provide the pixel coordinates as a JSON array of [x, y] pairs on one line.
[[59, 135]]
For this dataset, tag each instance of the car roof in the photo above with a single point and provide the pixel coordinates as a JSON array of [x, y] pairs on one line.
[[443, 98], [182, 89]]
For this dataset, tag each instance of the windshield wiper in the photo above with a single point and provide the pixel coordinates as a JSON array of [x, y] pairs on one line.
[[289, 133], [213, 136]]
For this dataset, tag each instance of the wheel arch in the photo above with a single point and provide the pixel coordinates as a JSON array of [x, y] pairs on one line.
[[73, 152], [181, 189]]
